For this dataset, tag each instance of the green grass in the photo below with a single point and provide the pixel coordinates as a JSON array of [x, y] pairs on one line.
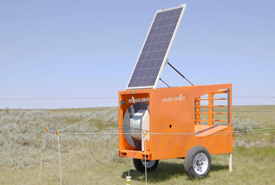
[[253, 165], [99, 122], [253, 157], [78, 110]]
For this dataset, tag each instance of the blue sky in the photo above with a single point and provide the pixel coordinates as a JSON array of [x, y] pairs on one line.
[[89, 48]]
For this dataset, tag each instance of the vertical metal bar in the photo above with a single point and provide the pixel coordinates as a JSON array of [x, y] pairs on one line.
[[42, 152], [59, 155], [229, 106], [230, 162], [128, 178], [210, 111], [129, 167], [197, 111], [144, 139]]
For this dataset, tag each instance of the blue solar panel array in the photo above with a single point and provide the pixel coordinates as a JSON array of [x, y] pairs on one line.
[[155, 48]]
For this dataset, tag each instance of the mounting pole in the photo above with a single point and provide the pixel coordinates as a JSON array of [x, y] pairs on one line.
[[179, 72], [230, 162], [59, 155]]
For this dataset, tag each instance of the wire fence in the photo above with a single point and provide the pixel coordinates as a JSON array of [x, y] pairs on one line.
[[66, 130], [106, 101], [57, 98], [112, 97], [119, 131]]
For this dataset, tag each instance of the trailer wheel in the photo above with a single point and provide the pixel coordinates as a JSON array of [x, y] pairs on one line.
[[197, 163], [150, 165]]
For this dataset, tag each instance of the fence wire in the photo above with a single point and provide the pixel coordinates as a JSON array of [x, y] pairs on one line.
[[113, 97], [119, 131]]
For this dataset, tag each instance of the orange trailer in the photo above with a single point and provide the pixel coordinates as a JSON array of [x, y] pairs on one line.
[[173, 126], [191, 122]]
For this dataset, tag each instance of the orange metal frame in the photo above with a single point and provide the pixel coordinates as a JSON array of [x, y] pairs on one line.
[[175, 121]]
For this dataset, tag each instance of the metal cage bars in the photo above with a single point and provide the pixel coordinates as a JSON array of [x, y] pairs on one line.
[[211, 107]]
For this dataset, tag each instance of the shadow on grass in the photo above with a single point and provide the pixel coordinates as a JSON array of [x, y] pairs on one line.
[[165, 171], [219, 167]]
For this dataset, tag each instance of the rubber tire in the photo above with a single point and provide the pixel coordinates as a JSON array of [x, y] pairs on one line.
[[139, 166], [188, 162]]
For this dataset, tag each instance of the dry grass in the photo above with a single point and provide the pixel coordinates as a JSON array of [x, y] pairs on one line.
[[20, 147]]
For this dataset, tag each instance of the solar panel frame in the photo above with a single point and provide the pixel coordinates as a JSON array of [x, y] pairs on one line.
[[183, 6]]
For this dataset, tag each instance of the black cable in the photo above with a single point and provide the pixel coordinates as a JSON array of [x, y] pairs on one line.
[[99, 160]]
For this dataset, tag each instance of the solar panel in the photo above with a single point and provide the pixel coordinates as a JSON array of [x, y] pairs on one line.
[[155, 49]]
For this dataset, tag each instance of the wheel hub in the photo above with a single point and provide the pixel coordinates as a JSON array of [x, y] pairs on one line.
[[200, 163], [149, 164]]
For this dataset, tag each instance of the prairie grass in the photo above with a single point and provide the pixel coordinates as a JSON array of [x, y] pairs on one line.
[[22, 133]]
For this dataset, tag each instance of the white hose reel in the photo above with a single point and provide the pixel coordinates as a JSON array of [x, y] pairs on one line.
[[136, 120]]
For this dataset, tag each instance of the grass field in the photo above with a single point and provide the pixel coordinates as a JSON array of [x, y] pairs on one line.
[[21, 143]]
